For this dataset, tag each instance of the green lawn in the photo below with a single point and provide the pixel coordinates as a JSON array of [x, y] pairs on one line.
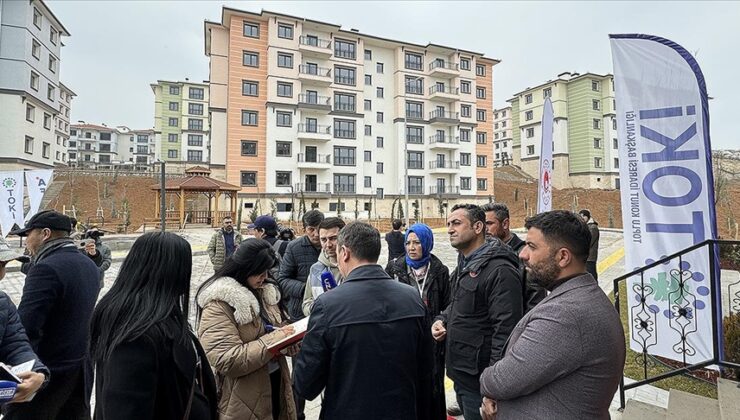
[[633, 368]]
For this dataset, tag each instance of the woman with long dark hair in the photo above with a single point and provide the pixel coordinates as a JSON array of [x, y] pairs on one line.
[[239, 319], [148, 363], [422, 270]]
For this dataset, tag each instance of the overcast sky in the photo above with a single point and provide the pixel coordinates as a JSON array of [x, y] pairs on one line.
[[118, 48]]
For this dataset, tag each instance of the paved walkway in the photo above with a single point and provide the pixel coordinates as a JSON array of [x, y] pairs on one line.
[[611, 262]]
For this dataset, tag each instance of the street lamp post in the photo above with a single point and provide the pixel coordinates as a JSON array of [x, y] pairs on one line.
[[406, 144], [162, 203]]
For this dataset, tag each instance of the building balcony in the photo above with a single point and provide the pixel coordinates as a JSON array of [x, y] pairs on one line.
[[444, 142], [316, 76], [314, 161], [316, 188], [444, 190], [444, 166], [444, 117], [314, 132], [315, 47], [444, 69], [444, 93], [314, 103]]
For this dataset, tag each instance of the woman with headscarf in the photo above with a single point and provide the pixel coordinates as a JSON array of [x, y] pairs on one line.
[[426, 273]]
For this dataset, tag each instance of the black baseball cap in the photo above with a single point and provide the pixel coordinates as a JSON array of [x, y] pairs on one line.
[[47, 219], [264, 222]]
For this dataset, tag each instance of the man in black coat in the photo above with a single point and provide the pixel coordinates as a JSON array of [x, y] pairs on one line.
[[58, 299], [486, 305], [367, 344]]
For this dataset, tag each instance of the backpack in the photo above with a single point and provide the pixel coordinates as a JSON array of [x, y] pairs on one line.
[[279, 247]]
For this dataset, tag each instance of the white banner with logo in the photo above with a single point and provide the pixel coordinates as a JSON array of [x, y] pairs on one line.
[[11, 200], [37, 181], [544, 189], [667, 195]]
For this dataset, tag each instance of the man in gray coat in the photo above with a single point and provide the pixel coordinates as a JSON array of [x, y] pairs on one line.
[[565, 358]]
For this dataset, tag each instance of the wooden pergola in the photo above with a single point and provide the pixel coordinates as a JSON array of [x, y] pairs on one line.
[[197, 181]]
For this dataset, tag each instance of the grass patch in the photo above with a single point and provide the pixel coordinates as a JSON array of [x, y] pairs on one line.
[[633, 367]]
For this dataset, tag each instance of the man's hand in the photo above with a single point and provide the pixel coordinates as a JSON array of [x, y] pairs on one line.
[[32, 381], [488, 409], [438, 330], [91, 249]]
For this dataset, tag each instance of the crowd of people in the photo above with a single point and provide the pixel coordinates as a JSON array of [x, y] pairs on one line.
[[519, 326]]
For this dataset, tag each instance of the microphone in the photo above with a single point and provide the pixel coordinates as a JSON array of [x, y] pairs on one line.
[[327, 280], [7, 391]]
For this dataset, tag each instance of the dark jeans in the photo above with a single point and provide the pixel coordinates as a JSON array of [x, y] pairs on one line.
[[591, 269], [64, 397], [469, 402], [300, 403]]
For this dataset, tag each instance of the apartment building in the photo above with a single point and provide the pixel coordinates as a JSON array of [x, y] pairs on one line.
[[62, 126], [181, 123], [31, 96], [101, 147], [137, 148], [503, 151], [299, 106], [585, 153]]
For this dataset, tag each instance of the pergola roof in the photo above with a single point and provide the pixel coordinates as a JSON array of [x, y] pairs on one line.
[[196, 183]]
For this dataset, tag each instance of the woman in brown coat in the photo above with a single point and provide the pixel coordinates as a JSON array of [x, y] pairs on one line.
[[239, 319]]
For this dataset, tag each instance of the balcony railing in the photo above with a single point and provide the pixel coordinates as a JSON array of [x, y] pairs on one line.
[[413, 89], [415, 164], [345, 161], [304, 98], [447, 65], [414, 139], [314, 71], [416, 190], [437, 113], [444, 89], [314, 128], [444, 164], [438, 189], [344, 80], [313, 158], [344, 134], [313, 187], [339, 106], [437, 138], [315, 42], [344, 189], [417, 115], [411, 65]]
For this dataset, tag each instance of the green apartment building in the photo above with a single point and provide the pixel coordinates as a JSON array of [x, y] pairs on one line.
[[181, 123], [585, 145]]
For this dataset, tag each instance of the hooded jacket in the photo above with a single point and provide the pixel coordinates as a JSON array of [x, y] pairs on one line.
[[486, 304], [313, 285]]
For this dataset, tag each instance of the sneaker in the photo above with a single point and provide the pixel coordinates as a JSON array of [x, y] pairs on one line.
[[454, 410]]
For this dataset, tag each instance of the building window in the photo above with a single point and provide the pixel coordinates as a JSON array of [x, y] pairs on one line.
[[250, 88], [616, 163], [480, 70], [28, 145], [597, 162], [251, 59], [368, 130], [480, 93], [615, 143], [529, 115], [174, 90], [465, 183], [367, 105], [595, 86], [530, 150], [284, 119], [195, 156], [195, 109], [195, 93], [530, 133], [50, 92], [249, 148], [284, 149], [174, 106], [480, 115], [596, 104], [172, 122], [415, 160], [379, 92], [416, 184], [195, 140], [464, 86], [249, 117], [547, 93], [172, 154], [465, 111], [345, 102], [614, 123], [35, 49], [344, 129], [285, 90], [344, 75], [482, 184], [464, 135], [414, 110], [480, 137], [283, 178], [285, 60], [597, 124], [172, 137], [379, 117], [368, 182], [413, 61], [344, 156], [368, 156], [53, 36], [248, 179], [480, 161], [464, 159], [368, 55], [47, 121], [379, 167], [36, 18], [285, 31], [528, 98], [415, 135], [464, 64], [30, 113], [379, 68], [34, 81], [379, 142], [344, 49], [251, 30], [368, 80], [344, 183], [597, 143]]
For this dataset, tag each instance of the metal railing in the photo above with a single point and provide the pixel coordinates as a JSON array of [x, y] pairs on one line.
[[444, 164], [414, 139], [416, 115], [314, 71], [314, 42], [437, 113], [314, 128], [305, 98], [344, 189], [314, 158], [344, 80], [435, 189], [415, 164], [676, 281], [413, 89], [444, 139], [444, 89], [313, 188], [339, 106], [440, 64]]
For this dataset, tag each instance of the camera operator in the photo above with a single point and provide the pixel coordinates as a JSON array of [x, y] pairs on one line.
[[97, 251]]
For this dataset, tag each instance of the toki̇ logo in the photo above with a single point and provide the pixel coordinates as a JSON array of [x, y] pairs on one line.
[[10, 184]]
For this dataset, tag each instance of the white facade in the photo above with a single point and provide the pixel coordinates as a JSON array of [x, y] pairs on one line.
[[101, 147], [503, 152]]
